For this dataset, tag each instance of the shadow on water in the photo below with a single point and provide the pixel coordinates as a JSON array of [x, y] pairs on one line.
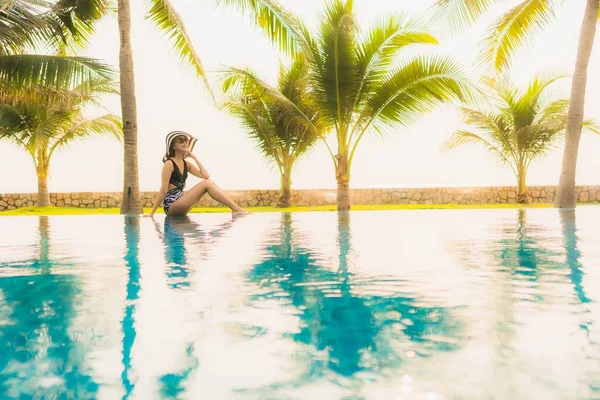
[[347, 331], [40, 355]]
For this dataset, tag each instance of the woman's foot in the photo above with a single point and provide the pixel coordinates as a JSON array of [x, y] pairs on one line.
[[239, 211]]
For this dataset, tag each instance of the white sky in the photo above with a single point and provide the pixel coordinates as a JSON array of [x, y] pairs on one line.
[[170, 97]]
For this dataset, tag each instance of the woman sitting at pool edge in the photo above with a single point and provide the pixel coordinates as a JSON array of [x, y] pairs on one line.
[[176, 202]]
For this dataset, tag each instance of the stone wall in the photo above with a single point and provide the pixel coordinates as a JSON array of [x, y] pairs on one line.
[[249, 198]]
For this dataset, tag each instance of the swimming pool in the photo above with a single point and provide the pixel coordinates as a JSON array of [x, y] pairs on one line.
[[428, 304]]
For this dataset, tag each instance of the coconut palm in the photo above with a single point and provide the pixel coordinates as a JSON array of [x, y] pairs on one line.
[[280, 139], [520, 127], [41, 127], [359, 85], [515, 29]]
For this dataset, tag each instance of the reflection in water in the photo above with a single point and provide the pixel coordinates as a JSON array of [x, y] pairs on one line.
[[175, 231], [529, 257], [572, 253], [522, 321], [521, 253], [359, 332], [538, 269], [39, 354], [132, 241], [178, 270], [572, 258]]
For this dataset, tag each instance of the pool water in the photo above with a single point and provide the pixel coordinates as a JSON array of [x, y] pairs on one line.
[[427, 304]]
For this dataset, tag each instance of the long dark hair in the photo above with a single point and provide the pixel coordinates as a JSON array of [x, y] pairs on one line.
[[171, 152]]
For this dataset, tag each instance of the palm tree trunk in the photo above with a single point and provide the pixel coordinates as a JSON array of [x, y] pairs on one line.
[[342, 175], [43, 199], [565, 196], [131, 203], [285, 199], [522, 186], [41, 162]]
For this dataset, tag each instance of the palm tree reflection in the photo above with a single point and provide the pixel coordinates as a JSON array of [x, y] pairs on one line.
[[528, 257], [132, 262], [572, 253], [38, 347], [359, 332]]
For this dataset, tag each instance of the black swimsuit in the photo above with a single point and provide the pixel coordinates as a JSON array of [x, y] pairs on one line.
[[178, 179]]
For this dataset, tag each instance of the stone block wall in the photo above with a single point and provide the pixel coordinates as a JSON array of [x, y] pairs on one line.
[[316, 197]]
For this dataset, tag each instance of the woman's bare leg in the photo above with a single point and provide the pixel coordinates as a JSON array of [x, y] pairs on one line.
[[184, 204]]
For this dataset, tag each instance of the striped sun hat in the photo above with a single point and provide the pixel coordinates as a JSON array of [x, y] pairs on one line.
[[171, 136]]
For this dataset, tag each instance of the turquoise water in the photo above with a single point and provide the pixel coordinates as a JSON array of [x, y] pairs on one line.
[[439, 304]]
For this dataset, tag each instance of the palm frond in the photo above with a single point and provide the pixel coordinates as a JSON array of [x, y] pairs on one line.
[[590, 125], [496, 126], [459, 15], [80, 127], [48, 24], [483, 120], [170, 23], [281, 27], [11, 121], [24, 22], [382, 44], [293, 79], [416, 87], [526, 107], [334, 77], [256, 122], [238, 79], [79, 18], [59, 99], [462, 138], [555, 109], [514, 29], [62, 73]]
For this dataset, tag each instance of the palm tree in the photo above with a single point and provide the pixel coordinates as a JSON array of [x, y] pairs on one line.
[[281, 140], [358, 86], [565, 195], [41, 127], [512, 31], [521, 126]]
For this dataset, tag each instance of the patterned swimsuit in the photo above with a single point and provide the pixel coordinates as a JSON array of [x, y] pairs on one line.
[[177, 179]]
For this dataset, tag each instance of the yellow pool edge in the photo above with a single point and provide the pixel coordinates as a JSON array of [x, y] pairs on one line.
[[38, 211]]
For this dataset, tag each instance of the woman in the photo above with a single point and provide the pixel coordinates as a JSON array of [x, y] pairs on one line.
[[176, 202]]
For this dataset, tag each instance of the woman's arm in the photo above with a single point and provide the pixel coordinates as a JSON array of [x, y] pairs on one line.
[[167, 170], [199, 171]]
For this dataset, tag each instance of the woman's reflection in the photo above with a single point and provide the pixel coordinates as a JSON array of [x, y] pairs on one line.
[[175, 232]]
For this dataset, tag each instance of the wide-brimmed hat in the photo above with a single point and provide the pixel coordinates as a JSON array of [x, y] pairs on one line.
[[171, 136]]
